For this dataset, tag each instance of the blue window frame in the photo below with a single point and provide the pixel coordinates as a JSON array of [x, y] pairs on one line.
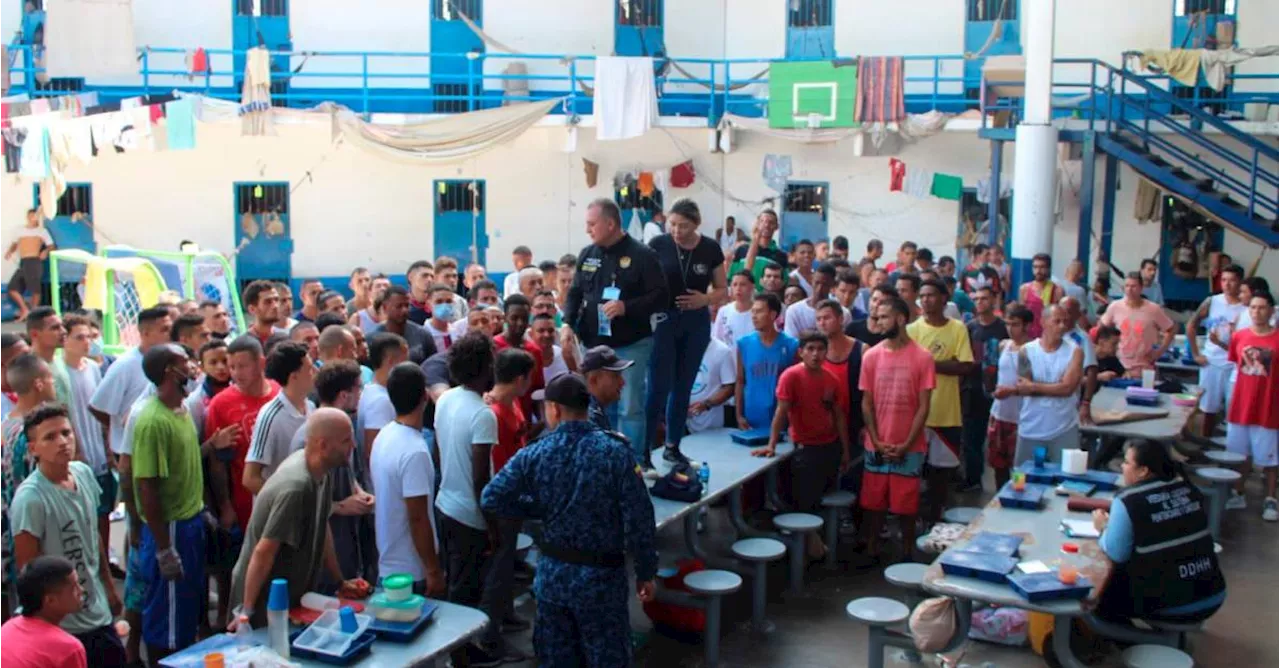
[[1196, 26], [804, 212], [638, 28], [263, 235], [263, 23], [810, 34], [71, 228]]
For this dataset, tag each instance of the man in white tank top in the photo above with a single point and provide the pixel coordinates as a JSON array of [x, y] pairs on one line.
[[1218, 313], [1049, 371]]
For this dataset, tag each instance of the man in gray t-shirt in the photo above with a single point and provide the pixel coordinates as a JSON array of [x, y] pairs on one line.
[[289, 527]]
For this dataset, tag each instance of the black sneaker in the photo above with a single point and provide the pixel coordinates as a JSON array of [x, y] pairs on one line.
[[646, 463], [672, 454], [479, 658]]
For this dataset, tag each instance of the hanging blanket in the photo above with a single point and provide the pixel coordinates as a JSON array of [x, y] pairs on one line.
[[626, 101], [90, 38], [880, 90]]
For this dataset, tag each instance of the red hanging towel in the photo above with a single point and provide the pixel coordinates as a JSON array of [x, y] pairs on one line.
[[645, 184], [897, 172], [156, 112], [200, 62], [682, 175]]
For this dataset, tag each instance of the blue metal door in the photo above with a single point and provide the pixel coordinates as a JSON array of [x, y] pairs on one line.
[[980, 19], [72, 227], [262, 23], [638, 28], [1195, 26], [264, 246], [459, 229], [810, 35], [804, 213], [455, 78]]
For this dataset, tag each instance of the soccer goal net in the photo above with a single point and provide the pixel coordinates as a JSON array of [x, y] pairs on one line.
[[200, 276], [118, 289]]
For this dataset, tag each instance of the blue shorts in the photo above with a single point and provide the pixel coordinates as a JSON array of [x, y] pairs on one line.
[[171, 609], [110, 486]]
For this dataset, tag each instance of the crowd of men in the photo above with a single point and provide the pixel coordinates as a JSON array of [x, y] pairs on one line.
[[412, 430]]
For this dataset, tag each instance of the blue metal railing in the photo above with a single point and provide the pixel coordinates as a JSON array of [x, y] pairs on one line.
[[373, 81]]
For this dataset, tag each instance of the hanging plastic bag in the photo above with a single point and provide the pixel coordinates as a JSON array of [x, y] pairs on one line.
[[933, 624]]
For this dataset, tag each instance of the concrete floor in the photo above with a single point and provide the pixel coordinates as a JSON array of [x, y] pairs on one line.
[[814, 632]]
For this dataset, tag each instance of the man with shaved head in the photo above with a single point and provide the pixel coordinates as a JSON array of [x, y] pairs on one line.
[[288, 534], [1073, 310], [1048, 380]]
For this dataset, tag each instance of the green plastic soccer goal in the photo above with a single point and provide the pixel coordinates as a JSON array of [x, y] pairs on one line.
[[202, 276], [119, 288]]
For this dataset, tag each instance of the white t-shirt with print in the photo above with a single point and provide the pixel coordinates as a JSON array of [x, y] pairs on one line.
[[718, 368], [731, 325]]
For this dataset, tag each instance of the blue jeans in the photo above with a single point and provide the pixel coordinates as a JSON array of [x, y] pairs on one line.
[[679, 343], [975, 448], [630, 406]]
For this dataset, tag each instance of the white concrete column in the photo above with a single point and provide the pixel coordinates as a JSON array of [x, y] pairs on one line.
[[1035, 145]]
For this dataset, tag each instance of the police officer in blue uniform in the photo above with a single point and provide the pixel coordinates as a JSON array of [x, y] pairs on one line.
[[585, 487], [617, 290]]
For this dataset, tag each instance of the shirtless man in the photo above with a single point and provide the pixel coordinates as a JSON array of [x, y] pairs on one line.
[[32, 245]]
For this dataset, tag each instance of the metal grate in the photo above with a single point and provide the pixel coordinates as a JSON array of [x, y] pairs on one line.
[[265, 7], [452, 10], [987, 10], [75, 199], [810, 14], [464, 196], [644, 13], [1184, 7], [261, 198], [805, 199]]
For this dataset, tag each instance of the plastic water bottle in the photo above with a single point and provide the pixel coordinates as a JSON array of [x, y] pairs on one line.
[[704, 476], [244, 632], [605, 327]]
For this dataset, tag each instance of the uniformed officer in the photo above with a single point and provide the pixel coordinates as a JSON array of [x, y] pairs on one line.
[[603, 369], [583, 484], [618, 288]]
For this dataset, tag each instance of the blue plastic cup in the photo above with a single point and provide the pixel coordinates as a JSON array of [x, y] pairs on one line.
[[347, 619], [278, 598], [1041, 454]]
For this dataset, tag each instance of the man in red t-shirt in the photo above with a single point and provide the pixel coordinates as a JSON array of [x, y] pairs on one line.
[[511, 380], [1253, 415], [897, 380], [239, 404], [815, 403], [517, 310]]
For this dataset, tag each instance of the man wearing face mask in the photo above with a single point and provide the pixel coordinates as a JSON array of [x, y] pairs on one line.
[[170, 482], [443, 313]]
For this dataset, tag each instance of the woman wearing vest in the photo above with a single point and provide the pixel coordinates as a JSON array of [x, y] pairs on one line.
[[1157, 538]]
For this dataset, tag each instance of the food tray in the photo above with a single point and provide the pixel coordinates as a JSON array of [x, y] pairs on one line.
[[1003, 544], [404, 631], [355, 651], [980, 565], [1038, 587], [1029, 498]]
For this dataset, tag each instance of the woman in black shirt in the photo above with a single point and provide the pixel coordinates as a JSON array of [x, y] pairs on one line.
[[694, 268]]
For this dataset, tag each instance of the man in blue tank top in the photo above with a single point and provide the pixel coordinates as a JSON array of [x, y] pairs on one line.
[[762, 356]]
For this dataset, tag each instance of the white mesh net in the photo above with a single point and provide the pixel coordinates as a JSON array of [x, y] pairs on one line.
[[211, 282], [127, 307]]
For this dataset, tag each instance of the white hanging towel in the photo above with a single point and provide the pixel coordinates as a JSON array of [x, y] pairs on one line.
[[918, 182], [626, 101], [90, 38]]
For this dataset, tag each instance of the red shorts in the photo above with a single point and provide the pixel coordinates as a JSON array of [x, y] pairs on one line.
[[1002, 441], [895, 493]]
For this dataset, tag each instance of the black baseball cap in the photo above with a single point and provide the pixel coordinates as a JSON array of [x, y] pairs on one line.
[[603, 357], [568, 390]]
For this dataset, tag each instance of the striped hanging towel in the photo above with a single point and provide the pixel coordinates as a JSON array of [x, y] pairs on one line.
[[879, 98], [255, 95]]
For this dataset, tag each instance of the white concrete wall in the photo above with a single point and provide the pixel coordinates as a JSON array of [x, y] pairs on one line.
[[402, 26], [359, 209], [578, 27]]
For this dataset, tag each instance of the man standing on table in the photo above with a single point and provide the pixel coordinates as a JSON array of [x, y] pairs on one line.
[[618, 287], [288, 535], [587, 489]]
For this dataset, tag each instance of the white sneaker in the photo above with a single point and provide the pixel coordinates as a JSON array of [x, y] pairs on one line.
[[1236, 501], [1270, 512]]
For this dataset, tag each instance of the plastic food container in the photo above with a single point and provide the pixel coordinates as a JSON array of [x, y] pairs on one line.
[[326, 636], [398, 586], [1185, 400], [383, 608]]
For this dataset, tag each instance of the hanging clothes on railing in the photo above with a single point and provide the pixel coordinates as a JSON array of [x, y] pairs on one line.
[[89, 38], [626, 100], [255, 95], [880, 98], [1181, 64], [1217, 63]]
